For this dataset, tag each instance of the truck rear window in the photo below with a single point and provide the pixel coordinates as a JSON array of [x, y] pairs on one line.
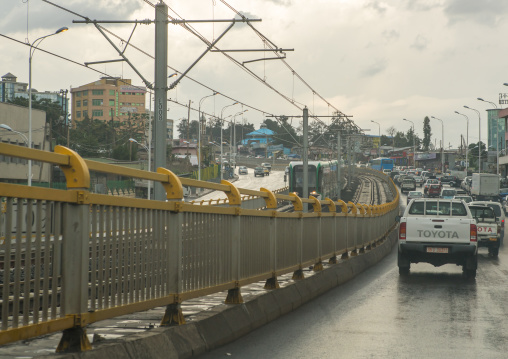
[[441, 208]]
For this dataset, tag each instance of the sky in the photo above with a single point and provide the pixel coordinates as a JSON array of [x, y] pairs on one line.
[[373, 60]]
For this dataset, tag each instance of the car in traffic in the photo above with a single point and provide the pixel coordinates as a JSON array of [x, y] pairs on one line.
[[430, 182], [418, 180], [437, 232], [498, 210], [266, 171], [489, 228], [267, 165], [242, 170], [465, 198], [413, 194], [434, 190], [447, 193], [259, 171], [408, 184]]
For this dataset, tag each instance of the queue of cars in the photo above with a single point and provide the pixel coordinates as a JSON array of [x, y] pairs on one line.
[[489, 217]]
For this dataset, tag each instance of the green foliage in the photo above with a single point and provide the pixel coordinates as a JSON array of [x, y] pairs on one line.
[[427, 134], [473, 149], [54, 116], [125, 152], [285, 134]]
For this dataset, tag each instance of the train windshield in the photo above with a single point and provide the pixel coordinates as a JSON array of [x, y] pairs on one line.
[[298, 178]]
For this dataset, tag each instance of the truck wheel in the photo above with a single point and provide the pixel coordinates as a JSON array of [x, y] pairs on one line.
[[470, 273], [494, 252], [404, 264]]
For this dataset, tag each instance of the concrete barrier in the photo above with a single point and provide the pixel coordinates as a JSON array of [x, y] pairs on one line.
[[225, 323]]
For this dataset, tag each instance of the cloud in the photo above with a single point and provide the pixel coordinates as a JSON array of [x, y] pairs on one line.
[[377, 6], [486, 12], [374, 69], [39, 13], [281, 2], [420, 43], [422, 5], [390, 35]]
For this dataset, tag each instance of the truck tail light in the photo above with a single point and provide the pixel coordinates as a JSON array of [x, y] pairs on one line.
[[402, 231], [472, 233]]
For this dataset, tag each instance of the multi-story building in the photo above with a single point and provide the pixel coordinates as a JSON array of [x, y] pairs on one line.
[[10, 88], [106, 99]]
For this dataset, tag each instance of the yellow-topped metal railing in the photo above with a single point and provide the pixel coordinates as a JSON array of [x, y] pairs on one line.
[[93, 256]]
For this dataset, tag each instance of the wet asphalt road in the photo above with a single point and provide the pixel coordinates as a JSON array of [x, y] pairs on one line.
[[433, 313]]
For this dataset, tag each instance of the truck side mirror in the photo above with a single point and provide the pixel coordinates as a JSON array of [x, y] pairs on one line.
[[397, 218]]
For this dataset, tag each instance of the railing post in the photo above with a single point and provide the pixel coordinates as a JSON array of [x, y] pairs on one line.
[[333, 209], [174, 193], [75, 254], [319, 237], [235, 200], [354, 213], [298, 207], [271, 203]]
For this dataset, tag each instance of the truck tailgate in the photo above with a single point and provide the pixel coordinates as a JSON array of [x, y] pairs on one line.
[[438, 230]]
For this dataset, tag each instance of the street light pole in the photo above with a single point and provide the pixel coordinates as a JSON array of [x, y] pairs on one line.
[[467, 139], [414, 146], [442, 143], [149, 167], [379, 145], [234, 131], [221, 123], [497, 135], [199, 134], [33, 47], [479, 137]]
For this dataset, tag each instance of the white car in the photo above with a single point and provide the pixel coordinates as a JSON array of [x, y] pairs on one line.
[[242, 170], [418, 180], [387, 171]]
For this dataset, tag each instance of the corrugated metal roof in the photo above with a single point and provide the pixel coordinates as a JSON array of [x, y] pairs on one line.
[[261, 132]]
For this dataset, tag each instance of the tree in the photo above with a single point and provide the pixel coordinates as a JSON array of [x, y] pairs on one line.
[[285, 134], [473, 153], [427, 134], [186, 132], [392, 131], [54, 115]]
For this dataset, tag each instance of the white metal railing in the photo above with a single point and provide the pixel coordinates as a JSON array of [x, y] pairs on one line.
[[71, 257]]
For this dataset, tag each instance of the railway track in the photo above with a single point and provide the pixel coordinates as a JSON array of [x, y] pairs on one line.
[[370, 191]]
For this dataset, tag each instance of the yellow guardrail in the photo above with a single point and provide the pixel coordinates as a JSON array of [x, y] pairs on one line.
[[96, 256]]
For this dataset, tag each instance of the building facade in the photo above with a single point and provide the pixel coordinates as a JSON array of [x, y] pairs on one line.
[[106, 99], [13, 169]]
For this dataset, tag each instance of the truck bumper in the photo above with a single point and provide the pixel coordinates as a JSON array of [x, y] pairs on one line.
[[457, 253]]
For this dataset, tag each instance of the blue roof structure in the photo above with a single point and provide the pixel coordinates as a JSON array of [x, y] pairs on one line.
[[261, 132]]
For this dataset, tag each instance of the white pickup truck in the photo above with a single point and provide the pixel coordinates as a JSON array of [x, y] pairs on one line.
[[489, 228], [438, 232]]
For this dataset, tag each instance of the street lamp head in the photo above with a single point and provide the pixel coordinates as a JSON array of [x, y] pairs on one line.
[[480, 99], [62, 29], [5, 127], [215, 93], [133, 140], [506, 84], [457, 113], [172, 75], [466, 106]]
